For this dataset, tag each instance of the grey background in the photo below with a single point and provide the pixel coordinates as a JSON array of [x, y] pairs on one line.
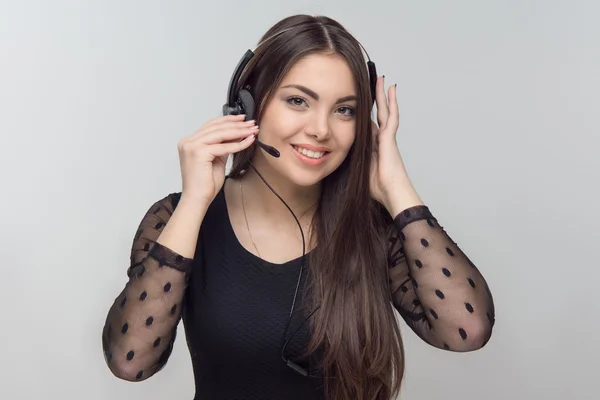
[[499, 131]]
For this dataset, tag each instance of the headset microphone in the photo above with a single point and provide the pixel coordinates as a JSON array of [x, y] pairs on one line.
[[269, 149]]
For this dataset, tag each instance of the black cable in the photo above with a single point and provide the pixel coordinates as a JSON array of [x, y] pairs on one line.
[[283, 345]]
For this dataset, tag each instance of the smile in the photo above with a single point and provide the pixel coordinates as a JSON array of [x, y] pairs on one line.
[[310, 157], [309, 153]]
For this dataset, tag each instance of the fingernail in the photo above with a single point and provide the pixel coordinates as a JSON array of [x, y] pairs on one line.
[[395, 85]]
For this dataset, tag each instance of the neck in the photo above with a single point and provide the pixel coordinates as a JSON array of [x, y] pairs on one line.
[[300, 199]]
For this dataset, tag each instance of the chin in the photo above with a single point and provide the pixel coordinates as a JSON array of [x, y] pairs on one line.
[[305, 179], [309, 175]]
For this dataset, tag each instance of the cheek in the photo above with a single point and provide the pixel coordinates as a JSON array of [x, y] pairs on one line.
[[278, 122], [343, 143], [346, 137]]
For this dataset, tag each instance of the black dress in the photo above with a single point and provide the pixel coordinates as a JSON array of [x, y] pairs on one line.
[[235, 305]]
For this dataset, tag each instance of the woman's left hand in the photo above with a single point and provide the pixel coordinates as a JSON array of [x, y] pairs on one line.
[[388, 178]]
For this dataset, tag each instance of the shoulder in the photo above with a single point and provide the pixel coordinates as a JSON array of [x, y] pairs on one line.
[[166, 202]]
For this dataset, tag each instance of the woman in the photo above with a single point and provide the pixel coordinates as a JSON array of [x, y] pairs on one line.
[[224, 254]]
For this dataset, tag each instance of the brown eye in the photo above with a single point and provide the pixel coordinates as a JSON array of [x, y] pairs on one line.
[[296, 101], [347, 111]]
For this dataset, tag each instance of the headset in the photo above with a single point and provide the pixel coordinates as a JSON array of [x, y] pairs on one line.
[[242, 102]]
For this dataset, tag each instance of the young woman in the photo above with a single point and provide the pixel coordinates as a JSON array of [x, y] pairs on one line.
[[225, 253]]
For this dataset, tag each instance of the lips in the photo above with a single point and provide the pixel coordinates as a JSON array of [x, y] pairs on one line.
[[316, 154], [309, 160], [311, 147]]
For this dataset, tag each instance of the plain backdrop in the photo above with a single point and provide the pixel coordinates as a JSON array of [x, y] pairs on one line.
[[499, 132]]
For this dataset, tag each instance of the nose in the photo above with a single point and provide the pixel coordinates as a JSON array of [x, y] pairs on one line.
[[318, 127]]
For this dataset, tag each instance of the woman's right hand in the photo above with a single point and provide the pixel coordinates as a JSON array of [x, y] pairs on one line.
[[203, 155]]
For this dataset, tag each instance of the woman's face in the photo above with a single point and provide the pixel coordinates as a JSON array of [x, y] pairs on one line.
[[311, 119]]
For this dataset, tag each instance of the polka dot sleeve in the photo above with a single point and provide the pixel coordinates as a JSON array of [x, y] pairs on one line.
[[436, 289], [141, 325]]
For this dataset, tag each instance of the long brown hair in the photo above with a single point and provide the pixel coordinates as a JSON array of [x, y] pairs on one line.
[[355, 327]]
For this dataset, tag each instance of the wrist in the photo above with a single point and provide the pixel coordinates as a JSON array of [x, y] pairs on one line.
[[190, 201], [403, 197], [191, 206]]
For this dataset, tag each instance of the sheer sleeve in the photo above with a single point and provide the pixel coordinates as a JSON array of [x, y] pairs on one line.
[[140, 328], [436, 289]]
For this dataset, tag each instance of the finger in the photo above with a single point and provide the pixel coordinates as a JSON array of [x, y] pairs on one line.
[[225, 118], [224, 149], [382, 106], [225, 122], [219, 121], [394, 113], [227, 135], [218, 126]]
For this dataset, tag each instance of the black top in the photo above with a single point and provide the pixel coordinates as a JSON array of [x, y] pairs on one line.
[[235, 305]]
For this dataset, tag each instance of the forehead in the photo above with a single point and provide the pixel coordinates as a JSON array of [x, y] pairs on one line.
[[326, 74]]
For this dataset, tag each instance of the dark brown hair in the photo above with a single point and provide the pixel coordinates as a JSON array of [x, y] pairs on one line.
[[355, 327]]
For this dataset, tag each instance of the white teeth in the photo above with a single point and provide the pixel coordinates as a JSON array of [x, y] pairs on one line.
[[309, 153]]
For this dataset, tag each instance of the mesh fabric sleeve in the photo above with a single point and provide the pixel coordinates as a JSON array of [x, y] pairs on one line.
[[140, 328], [436, 289]]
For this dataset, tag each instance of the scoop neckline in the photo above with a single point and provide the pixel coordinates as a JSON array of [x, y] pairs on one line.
[[241, 247]]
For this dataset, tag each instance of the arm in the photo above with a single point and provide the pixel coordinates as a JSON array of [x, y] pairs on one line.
[[140, 328], [435, 287], [437, 290]]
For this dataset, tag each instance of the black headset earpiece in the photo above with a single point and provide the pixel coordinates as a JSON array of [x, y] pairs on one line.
[[247, 102], [372, 78], [239, 102]]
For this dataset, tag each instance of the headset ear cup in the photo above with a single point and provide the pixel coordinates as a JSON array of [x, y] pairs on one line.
[[372, 79], [247, 103]]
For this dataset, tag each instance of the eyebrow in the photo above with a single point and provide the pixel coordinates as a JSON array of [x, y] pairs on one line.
[[315, 96]]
